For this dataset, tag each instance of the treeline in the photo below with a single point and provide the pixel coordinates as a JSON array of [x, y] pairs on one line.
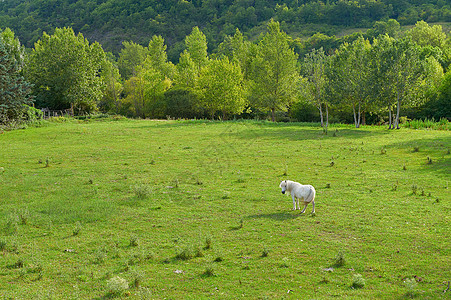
[[112, 21], [366, 78]]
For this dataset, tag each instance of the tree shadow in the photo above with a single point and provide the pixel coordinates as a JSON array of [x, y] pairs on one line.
[[279, 216]]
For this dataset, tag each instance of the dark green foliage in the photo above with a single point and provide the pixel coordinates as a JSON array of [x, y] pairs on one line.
[[112, 21], [14, 90], [180, 103], [304, 112]]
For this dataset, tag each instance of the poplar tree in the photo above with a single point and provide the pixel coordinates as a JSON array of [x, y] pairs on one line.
[[274, 72]]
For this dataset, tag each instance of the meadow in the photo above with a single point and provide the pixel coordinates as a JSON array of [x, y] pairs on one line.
[[143, 209]]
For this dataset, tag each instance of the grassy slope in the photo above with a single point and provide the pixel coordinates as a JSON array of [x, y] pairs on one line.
[[219, 181]]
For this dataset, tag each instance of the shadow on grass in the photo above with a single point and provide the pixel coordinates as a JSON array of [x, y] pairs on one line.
[[280, 216]]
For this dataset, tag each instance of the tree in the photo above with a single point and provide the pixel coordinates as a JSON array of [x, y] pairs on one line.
[[274, 72], [221, 87], [14, 90], [157, 57], [146, 91], [192, 59], [314, 71], [348, 76], [131, 56], [433, 40], [236, 48], [397, 74], [113, 87], [13, 47], [65, 71], [196, 46]]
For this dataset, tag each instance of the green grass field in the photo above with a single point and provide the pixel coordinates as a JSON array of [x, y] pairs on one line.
[[141, 209]]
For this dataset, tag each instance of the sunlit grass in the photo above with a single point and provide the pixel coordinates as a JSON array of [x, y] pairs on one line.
[[192, 206]]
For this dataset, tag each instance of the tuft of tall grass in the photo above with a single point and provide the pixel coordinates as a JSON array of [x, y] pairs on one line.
[[116, 285], [442, 124], [358, 281]]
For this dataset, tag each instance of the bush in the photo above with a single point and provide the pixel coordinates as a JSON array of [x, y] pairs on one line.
[[180, 103], [304, 112]]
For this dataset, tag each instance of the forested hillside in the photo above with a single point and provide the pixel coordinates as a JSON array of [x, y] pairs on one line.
[[226, 59], [112, 21]]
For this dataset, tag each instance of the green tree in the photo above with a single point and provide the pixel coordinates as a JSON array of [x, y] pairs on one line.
[[196, 46], [131, 56], [236, 48], [14, 90], [13, 46], [65, 71], [145, 91], [313, 68], [222, 88], [348, 75], [398, 74], [274, 72], [433, 40], [157, 57], [113, 88]]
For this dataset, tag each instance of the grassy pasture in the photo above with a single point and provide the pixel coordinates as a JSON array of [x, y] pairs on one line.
[[192, 209]]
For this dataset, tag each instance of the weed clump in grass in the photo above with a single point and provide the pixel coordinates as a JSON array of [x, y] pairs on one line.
[[340, 260], [219, 259], [117, 285], [358, 281], [411, 285], [3, 244], [78, 227], [265, 252], [209, 272], [137, 279], [12, 224], [186, 254], [207, 243], [141, 191], [134, 241], [24, 215], [414, 189]]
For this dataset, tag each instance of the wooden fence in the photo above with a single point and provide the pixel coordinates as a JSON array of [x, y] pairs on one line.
[[47, 113]]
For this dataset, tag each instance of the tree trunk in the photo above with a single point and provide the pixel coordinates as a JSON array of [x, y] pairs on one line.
[[358, 119], [273, 114], [327, 116], [355, 117], [398, 109], [321, 114], [389, 117]]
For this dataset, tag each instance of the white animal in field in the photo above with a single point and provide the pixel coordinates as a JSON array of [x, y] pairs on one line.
[[298, 191]]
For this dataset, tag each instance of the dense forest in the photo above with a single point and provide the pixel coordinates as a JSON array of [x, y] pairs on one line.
[[110, 22], [226, 59]]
